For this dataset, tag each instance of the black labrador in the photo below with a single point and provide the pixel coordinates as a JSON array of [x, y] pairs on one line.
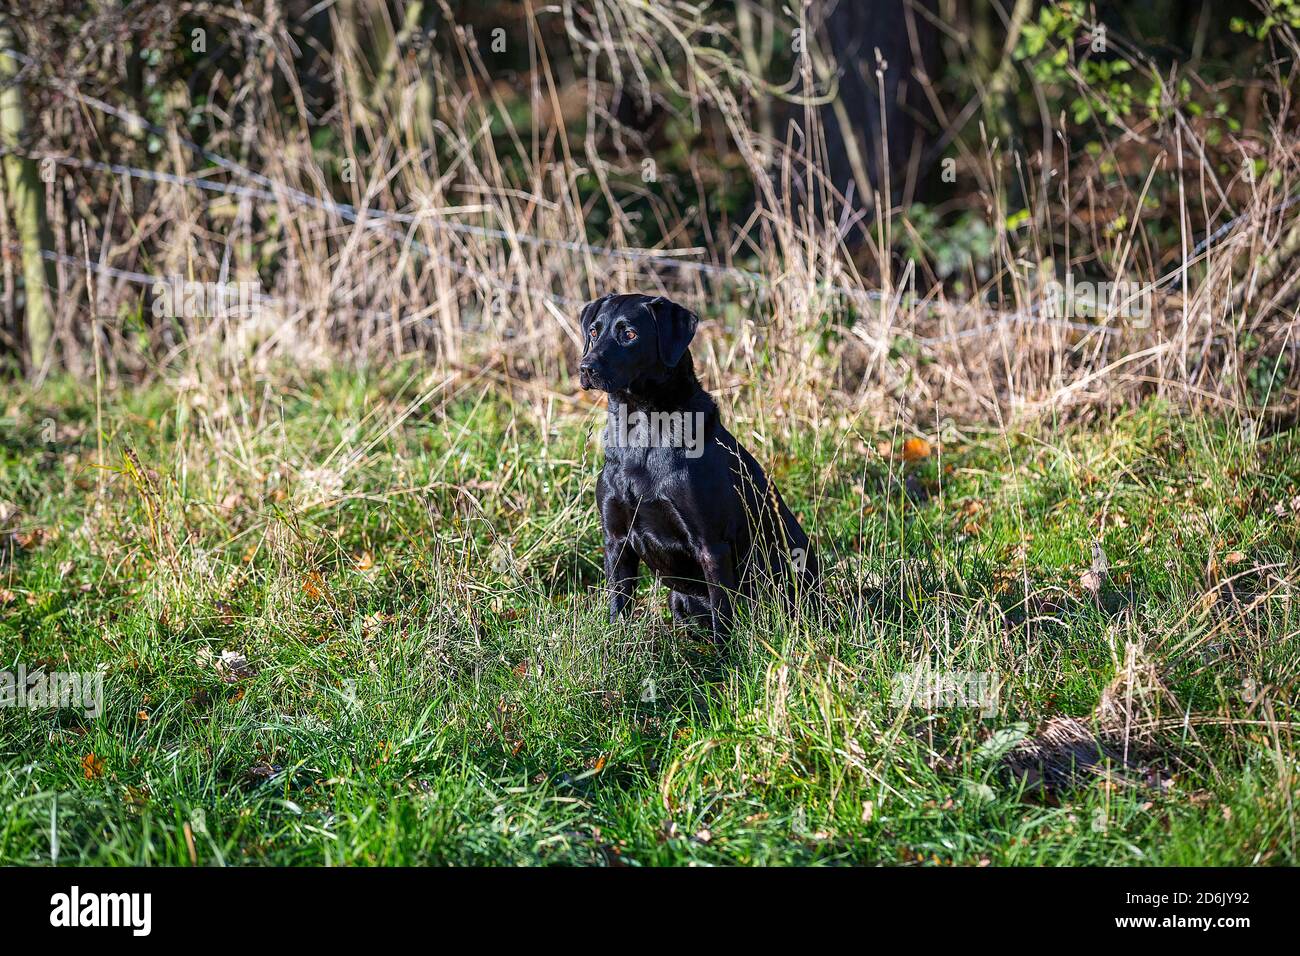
[[677, 490]]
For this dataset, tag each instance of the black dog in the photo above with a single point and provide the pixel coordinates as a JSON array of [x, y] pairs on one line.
[[677, 491]]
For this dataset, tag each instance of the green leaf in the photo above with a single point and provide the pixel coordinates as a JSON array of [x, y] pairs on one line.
[[1000, 742]]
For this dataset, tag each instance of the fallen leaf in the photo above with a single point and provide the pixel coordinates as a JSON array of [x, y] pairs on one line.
[[1095, 576], [28, 540], [233, 666], [92, 766], [225, 612], [373, 623], [916, 449], [261, 771]]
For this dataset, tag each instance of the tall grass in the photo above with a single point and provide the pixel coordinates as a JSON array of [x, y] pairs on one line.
[[490, 259]]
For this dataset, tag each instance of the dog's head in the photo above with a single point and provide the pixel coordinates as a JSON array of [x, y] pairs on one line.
[[629, 340]]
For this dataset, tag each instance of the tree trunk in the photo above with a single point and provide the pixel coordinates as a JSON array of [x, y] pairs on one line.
[[862, 128], [26, 194]]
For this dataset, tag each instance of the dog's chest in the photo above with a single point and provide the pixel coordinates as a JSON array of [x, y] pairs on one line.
[[641, 474], [639, 491], [660, 537]]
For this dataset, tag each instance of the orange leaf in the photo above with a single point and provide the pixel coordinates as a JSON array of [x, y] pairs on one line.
[[30, 539], [92, 766], [915, 449], [314, 585]]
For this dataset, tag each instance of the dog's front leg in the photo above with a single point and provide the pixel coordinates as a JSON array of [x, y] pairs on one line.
[[720, 577], [622, 566]]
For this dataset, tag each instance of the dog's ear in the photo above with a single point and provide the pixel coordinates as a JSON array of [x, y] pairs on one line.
[[676, 327], [589, 313]]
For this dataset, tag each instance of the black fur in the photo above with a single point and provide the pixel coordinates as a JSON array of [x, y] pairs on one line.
[[709, 527]]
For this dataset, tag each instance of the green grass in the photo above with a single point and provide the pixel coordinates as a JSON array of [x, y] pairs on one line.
[[434, 681]]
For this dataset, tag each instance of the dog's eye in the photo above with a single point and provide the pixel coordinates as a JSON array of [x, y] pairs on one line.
[[594, 331], [629, 335]]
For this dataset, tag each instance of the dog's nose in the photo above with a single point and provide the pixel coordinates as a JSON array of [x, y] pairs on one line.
[[584, 374]]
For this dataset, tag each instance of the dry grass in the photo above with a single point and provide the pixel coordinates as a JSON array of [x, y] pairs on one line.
[[473, 254]]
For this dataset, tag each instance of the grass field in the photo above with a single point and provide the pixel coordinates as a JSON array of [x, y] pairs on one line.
[[356, 620]]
